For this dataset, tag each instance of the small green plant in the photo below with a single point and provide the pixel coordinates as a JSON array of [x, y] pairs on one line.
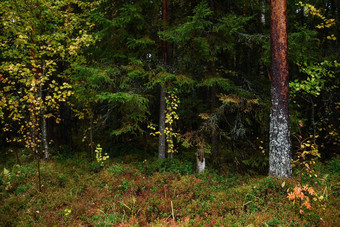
[[116, 169], [6, 179], [125, 185], [99, 157]]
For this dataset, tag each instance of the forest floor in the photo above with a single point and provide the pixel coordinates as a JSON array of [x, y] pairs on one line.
[[160, 193]]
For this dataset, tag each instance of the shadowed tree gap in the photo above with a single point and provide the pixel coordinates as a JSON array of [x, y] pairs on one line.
[[280, 144]]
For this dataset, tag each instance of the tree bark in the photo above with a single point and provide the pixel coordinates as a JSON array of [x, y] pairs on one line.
[[44, 136], [91, 140], [280, 144], [263, 13], [43, 123], [200, 162], [214, 135], [34, 144], [161, 143]]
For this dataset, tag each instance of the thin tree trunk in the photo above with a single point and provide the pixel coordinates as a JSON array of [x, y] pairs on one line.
[[161, 143], [313, 122], [38, 164], [43, 127], [17, 156], [263, 22], [214, 135], [91, 140], [170, 154], [245, 8], [44, 136], [34, 114], [280, 144], [34, 144], [263, 13], [200, 162]]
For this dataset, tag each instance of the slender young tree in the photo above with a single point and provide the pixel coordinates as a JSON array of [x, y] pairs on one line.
[[280, 144], [161, 143]]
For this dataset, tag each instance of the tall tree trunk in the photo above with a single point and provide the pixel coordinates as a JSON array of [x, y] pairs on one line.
[[161, 143], [280, 144]]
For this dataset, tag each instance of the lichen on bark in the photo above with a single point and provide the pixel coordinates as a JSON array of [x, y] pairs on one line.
[[280, 144]]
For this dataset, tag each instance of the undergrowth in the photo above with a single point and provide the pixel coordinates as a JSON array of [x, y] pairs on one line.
[[155, 193]]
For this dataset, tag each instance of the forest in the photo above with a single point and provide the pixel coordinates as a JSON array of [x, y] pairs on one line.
[[169, 113]]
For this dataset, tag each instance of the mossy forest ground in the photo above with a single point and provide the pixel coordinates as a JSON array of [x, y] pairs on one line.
[[151, 192]]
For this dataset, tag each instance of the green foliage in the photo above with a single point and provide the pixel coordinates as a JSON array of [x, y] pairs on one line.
[[106, 219], [333, 166], [319, 76], [124, 194], [116, 169], [167, 165], [172, 102], [34, 83], [101, 159]]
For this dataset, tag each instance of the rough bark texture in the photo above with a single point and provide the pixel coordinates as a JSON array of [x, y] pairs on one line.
[[161, 143], [280, 145]]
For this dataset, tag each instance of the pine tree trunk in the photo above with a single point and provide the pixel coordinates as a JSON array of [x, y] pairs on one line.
[[280, 144]]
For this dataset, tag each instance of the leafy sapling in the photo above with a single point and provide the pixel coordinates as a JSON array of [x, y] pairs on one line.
[[99, 157]]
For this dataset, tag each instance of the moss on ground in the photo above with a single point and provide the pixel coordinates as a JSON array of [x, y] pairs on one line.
[[156, 194]]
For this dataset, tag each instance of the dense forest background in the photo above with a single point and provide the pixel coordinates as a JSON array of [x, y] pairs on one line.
[[91, 73], [98, 80]]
